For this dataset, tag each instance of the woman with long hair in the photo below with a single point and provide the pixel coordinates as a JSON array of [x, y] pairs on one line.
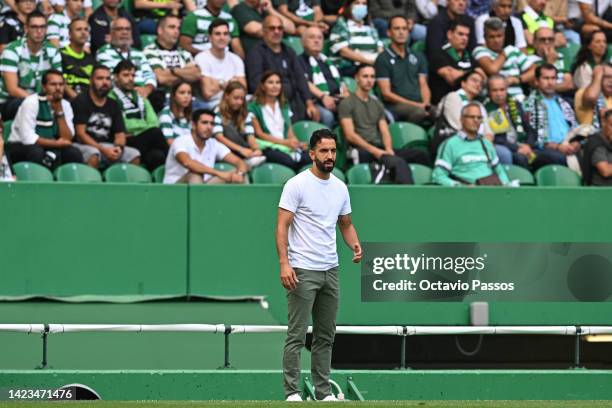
[[175, 119], [594, 51], [234, 125], [272, 124], [354, 40]]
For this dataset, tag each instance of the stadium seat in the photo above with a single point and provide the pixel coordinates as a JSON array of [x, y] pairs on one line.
[[147, 39], [359, 174], [295, 43], [609, 50], [76, 172], [222, 166], [26, 171], [127, 173], [340, 149], [303, 129], [271, 173], [337, 172], [569, 53], [350, 83], [6, 129], [519, 173], [408, 134], [158, 174], [420, 174], [557, 176], [418, 46]]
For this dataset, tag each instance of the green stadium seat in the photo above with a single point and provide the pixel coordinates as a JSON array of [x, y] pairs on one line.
[[610, 50], [408, 134], [303, 129], [158, 174], [359, 174], [337, 172], [350, 83], [294, 43], [26, 171], [519, 173], [127, 173], [76, 172], [271, 173], [418, 46], [557, 176], [420, 174], [222, 166], [147, 39], [341, 161], [327, 47], [6, 129], [569, 53], [386, 42]]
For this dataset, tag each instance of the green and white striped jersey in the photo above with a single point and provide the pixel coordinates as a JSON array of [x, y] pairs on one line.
[[195, 25], [516, 63], [361, 38], [110, 57], [171, 126], [57, 28], [166, 59], [29, 68]]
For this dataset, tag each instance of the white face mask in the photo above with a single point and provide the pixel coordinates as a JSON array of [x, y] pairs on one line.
[[359, 11]]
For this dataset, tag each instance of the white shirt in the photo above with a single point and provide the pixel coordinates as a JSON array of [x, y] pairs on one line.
[[275, 122], [220, 69], [23, 129], [212, 152], [519, 34], [573, 11], [316, 205]]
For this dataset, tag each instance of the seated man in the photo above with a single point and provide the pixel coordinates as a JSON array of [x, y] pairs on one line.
[[508, 122], [551, 117], [592, 15], [451, 62], [365, 128], [77, 62], [170, 63], [58, 33], [545, 52], [453, 13], [23, 63], [533, 18], [100, 23], [42, 131], [323, 76], [141, 123], [192, 158], [597, 165], [13, 24], [513, 28], [120, 48], [595, 98], [304, 14], [467, 157], [507, 61], [99, 126], [401, 75], [195, 28]]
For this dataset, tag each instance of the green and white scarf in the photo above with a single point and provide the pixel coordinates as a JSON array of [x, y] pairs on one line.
[[46, 126], [318, 78], [132, 104], [538, 114]]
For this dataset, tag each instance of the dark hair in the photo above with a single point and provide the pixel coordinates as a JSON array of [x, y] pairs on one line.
[[217, 22], [124, 65], [48, 73], [237, 118], [320, 134], [75, 20], [98, 67], [393, 17], [584, 54], [196, 115], [468, 74], [362, 67], [546, 66], [35, 14], [175, 87], [346, 10], [260, 95], [607, 114], [461, 21], [163, 19]]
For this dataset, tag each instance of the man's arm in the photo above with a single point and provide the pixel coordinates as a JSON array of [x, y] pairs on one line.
[[195, 166], [450, 74], [237, 162], [11, 81], [566, 85], [83, 137], [348, 129], [591, 18], [592, 92], [492, 66], [186, 43], [349, 234], [287, 274], [425, 91], [383, 127], [390, 97]]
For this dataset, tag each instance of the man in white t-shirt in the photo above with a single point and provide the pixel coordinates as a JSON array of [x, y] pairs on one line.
[[218, 64], [311, 205], [591, 15], [192, 158]]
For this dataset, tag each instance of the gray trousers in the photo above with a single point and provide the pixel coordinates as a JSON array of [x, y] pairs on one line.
[[316, 294]]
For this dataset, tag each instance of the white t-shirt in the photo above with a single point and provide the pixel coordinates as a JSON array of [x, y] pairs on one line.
[[212, 152], [274, 119], [23, 129], [220, 69], [519, 35], [316, 204]]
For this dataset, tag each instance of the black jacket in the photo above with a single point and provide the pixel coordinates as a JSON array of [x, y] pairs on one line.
[[99, 22]]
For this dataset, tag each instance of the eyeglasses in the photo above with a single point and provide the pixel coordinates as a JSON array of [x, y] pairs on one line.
[[473, 117], [122, 28], [545, 39], [274, 28]]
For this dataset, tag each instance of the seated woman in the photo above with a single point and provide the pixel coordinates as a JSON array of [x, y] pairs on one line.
[[175, 119], [272, 124], [354, 40], [593, 52], [234, 125]]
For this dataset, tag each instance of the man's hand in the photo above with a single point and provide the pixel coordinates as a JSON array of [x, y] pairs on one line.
[[111, 153], [288, 277], [357, 253], [237, 178], [378, 153], [566, 149], [226, 176], [63, 143], [525, 149], [389, 151], [329, 103], [312, 111]]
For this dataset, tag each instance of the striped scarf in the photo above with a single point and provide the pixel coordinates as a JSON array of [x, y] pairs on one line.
[[318, 78], [538, 115], [46, 126], [599, 105], [131, 109]]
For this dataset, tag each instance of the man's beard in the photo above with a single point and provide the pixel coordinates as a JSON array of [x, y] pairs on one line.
[[101, 93], [321, 165]]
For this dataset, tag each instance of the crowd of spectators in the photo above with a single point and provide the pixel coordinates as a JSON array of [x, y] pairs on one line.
[[185, 83]]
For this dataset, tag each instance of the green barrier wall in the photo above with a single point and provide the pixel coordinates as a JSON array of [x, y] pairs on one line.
[[62, 240], [65, 239]]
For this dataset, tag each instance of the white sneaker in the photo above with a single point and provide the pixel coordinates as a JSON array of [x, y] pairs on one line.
[[295, 397], [255, 161], [330, 398]]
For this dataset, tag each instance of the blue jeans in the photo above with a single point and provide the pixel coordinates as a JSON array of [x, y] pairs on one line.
[[327, 117], [504, 154]]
